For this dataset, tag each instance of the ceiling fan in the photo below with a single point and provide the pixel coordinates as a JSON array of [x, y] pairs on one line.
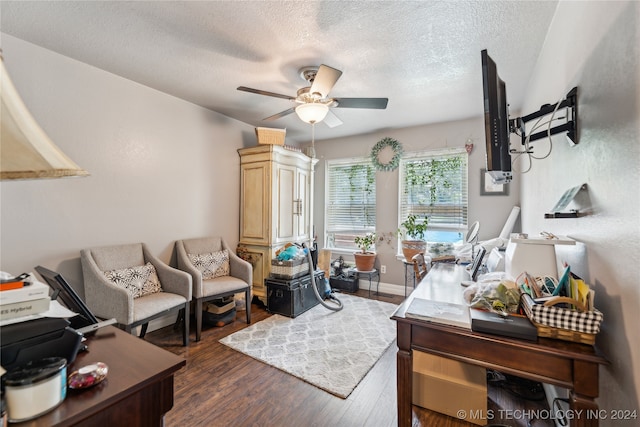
[[314, 101]]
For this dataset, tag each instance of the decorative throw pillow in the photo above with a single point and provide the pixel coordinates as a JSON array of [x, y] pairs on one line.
[[138, 281], [211, 265]]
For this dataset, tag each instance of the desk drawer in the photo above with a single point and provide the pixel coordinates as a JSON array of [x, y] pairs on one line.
[[492, 352]]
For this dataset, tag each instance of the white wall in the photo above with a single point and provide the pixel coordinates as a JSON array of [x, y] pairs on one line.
[[490, 211], [161, 168], [155, 161], [596, 46]]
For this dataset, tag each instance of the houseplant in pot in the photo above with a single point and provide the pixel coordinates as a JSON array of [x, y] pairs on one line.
[[365, 259], [413, 230]]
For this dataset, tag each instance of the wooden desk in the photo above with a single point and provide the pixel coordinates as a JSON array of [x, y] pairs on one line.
[[569, 365], [138, 390]]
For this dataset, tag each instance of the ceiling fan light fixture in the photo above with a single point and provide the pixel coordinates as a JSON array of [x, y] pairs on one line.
[[312, 112]]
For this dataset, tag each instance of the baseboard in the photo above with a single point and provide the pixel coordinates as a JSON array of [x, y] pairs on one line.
[[158, 323], [170, 319], [385, 288]]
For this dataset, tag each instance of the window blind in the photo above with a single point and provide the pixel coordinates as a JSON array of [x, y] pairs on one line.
[[435, 184], [350, 201]]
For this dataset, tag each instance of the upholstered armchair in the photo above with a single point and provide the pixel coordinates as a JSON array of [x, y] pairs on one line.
[[216, 271], [128, 283]]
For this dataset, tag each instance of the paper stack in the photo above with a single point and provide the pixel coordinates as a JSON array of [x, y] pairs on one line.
[[439, 312], [31, 298]]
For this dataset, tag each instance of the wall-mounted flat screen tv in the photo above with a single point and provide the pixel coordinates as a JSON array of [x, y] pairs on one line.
[[496, 122]]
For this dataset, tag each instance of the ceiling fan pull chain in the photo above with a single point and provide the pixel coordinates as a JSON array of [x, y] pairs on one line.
[[312, 151]]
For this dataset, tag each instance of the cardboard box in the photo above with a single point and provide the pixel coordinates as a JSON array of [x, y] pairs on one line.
[[220, 306], [448, 386], [270, 136]]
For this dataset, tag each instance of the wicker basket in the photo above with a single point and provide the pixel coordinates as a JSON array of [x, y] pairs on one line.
[[270, 136], [579, 325], [289, 269], [564, 334]]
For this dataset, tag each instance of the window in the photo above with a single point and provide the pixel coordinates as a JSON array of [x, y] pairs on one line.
[[434, 184], [350, 202]]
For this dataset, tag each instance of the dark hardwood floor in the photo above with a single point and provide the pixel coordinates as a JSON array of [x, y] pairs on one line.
[[222, 387]]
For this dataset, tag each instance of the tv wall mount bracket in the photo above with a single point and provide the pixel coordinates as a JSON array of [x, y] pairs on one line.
[[570, 102]]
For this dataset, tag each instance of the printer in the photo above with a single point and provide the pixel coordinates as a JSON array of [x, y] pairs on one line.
[[38, 339]]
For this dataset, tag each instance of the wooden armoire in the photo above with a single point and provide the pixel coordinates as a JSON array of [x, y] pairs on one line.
[[276, 205]]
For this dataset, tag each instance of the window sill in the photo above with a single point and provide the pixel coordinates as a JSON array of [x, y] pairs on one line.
[[341, 251]]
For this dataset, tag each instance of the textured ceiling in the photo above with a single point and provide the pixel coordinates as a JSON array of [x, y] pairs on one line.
[[422, 55]]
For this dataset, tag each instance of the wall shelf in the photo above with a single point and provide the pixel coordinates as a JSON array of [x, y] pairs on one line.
[[564, 201]]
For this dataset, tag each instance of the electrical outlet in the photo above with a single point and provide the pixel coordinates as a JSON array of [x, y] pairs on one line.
[[383, 269]]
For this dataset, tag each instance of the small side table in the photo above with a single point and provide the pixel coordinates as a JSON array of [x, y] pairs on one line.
[[371, 274], [408, 271]]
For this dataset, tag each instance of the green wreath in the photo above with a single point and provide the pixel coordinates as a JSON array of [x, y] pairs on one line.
[[395, 160]]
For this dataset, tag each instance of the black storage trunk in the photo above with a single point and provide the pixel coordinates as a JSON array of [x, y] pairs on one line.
[[344, 283], [292, 297]]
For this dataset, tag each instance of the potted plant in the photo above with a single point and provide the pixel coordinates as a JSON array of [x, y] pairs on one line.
[[413, 229], [365, 259]]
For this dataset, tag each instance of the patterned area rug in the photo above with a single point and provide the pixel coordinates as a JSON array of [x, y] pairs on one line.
[[331, 350]]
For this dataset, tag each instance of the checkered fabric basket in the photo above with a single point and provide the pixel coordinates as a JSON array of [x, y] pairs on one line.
[[562, 323]]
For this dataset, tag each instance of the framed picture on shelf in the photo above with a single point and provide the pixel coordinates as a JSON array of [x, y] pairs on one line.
[[488, 188]]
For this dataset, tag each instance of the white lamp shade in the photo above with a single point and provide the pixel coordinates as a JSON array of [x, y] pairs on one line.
[[26, 152], [312, 112]]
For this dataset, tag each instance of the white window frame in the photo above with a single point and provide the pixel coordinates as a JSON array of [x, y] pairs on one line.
[[460, 223], [342, 233]]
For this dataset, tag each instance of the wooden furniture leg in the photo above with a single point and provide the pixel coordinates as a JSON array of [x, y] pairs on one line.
[[585, 390], [404, 376]]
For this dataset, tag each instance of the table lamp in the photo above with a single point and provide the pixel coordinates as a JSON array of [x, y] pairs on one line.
[[536, 256]]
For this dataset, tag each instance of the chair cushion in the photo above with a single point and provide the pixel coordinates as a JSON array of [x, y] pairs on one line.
[[153, 304], [222, 285], [138, 281], [211, 265]]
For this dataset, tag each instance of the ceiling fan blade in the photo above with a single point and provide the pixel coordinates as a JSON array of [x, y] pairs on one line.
[[280, 114], [325, 78], [331, 120], [264, 92], [376, 103]]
